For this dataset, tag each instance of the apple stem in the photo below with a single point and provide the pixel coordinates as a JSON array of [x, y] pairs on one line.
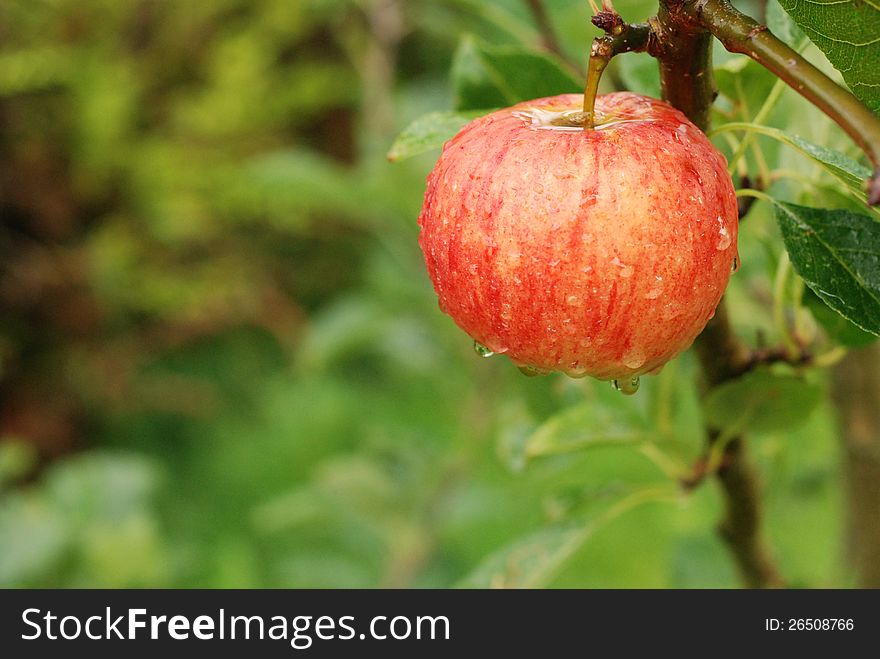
[[595, 67], [620, 38]]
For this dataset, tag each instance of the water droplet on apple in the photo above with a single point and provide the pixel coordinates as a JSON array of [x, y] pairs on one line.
[[627, 387], [553, 263], [576, 372], [586, 342], [572, 300], [724, 238], [671, 310], [482, 350], [634, 360], [735, 266], [625, 270], [531, 371], [653, 294]]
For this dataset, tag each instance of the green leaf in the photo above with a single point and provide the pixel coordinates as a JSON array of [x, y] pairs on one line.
[[581, 427], [849, 35], [839, 165], [782, 25], [532, 561], [515, 426], [838, 328], [428, 132], [761, 401], [529, 562], [837, 253], [498, 76]]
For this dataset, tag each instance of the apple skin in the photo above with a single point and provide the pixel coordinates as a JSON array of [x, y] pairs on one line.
[[599, 252]]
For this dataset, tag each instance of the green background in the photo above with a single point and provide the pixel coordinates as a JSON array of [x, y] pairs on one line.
[[223, 364]]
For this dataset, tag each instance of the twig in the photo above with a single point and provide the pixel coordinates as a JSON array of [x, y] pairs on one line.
[[741, 34], [776, 355]]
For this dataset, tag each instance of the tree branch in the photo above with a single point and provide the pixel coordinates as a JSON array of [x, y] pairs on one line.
[[741, 527], [724, 357], [742, 34], [682, 44], [684, 51]]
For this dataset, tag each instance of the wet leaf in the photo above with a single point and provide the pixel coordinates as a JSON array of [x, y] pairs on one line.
[[837, 253], [838, 328], [847, 32]]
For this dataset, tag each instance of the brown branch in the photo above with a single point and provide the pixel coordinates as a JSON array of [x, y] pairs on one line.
[[741, 527], [742, 34], [775, 355], [724, 357], [684, 49]]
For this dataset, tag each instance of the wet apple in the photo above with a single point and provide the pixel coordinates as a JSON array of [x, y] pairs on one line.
[[600, 251]]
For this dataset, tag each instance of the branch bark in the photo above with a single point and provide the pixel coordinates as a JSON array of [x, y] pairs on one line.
[[684, 53], [724, 357], [684, 50]]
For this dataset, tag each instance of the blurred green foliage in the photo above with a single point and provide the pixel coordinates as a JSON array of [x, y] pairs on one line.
[[223, 364]]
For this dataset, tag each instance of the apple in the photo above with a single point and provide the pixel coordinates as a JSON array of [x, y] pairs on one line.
[[599, 252]]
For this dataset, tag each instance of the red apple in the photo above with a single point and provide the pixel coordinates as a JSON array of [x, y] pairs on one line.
[[599, 252]]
